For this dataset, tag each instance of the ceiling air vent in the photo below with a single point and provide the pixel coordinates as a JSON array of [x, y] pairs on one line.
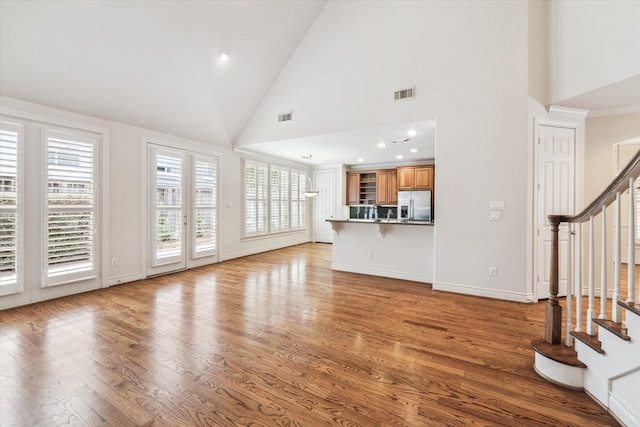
[[404, 94], [286, 117]]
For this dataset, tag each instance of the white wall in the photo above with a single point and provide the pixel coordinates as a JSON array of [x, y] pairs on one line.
[[538, 49], [592, 41], [468, 61], [126, 220], [601, 134]]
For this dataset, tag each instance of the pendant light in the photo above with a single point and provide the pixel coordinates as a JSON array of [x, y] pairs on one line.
[[309, 191]]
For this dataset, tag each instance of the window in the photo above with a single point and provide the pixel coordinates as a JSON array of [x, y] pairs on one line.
[[205, 187], [637, 198], [298, 202], [71, 203], [273, 205], [10, 212], [279, 199], [256, 202], [168, 207]]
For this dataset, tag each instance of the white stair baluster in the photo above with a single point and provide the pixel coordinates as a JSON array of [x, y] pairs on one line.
[[603, 267], [616, 310], [578, 281], [569, 327], [591, 311], [631, 257]]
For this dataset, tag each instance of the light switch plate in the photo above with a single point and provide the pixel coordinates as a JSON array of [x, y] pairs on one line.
[[495, 216], [496, 205]]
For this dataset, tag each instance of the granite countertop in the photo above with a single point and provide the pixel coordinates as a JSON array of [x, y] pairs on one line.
[[382, 221]]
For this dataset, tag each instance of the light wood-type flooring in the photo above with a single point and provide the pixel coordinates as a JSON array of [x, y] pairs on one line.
[[279, 339]]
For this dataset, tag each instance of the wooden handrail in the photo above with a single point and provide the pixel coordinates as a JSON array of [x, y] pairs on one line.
[[619, 184], [553, 310]]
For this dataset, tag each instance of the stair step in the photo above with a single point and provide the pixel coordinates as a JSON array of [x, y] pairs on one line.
[[590, 340], [613, 327], [557, 352], [633, 307]]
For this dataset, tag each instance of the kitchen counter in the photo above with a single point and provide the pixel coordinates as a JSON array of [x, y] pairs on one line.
[[397, 249], [383, 221]]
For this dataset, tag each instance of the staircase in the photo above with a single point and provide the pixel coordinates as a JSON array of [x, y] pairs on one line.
[[604, 358]]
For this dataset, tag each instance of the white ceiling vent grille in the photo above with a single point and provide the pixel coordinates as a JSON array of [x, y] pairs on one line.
[[404, 94], [286, 117]]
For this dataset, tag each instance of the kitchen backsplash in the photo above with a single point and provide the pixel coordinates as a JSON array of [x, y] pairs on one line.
[[372, 212]]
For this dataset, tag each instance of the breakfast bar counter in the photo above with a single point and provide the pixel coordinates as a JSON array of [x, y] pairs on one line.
[[401, 250]]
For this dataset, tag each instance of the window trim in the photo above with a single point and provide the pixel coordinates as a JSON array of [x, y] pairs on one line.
[[302, 202], [60, 278], [18, 285]]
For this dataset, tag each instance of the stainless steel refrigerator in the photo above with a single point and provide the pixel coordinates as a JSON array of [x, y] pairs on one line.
[[414, 205]]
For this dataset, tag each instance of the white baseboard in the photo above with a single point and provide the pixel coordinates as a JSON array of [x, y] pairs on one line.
[[124, 279], [383, 273], [226, 256], [483, 292], [624, 413]]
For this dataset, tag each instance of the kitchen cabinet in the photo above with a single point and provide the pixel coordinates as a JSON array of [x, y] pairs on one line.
[[386, 187], [361, 188], [353, 188], [415, 177]]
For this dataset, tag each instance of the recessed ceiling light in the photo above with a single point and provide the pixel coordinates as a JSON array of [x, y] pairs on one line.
[[381, 145], [414, 150], [360, 160], [412, 132], [223, 56], [399, 157]]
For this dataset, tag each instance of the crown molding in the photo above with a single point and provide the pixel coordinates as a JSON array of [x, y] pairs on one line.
[[619, 111], [567, 111]]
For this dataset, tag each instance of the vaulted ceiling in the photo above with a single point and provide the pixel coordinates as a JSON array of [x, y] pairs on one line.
[[152, 64]]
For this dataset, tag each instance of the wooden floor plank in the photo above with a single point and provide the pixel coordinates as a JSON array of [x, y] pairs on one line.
[[279, 339]]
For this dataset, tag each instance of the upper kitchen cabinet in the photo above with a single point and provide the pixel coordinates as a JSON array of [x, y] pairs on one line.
[[361, 188], [415, 177], [353, 188], [376, 187], [387, 187]]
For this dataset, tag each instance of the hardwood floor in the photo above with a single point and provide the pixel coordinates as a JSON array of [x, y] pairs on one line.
[[279, 339]]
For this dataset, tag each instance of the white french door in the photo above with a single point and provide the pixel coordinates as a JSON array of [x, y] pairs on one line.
[[182, 213]]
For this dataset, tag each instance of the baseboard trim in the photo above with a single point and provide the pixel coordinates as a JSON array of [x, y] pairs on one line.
[[483, 292], [266, 248], [622, 412], [119, 280], [383, 273]]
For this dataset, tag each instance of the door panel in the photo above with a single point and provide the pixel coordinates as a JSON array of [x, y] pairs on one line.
[[167, 210], [203, 211], [325, 205], [556, 181]]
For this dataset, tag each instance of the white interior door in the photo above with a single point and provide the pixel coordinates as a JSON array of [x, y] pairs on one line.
[[555, 195], [324, 205]]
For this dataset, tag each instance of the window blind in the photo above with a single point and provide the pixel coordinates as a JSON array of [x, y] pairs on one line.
[[10, 212], [256, 198], [71, 243], [298, 202], [168, 207], [205, 183], [279, 200]]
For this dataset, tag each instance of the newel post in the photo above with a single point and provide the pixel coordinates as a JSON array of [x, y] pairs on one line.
[[553, 310]]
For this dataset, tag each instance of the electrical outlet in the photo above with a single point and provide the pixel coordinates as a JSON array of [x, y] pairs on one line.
[[114, 261], [493, 271], [370, 255]]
